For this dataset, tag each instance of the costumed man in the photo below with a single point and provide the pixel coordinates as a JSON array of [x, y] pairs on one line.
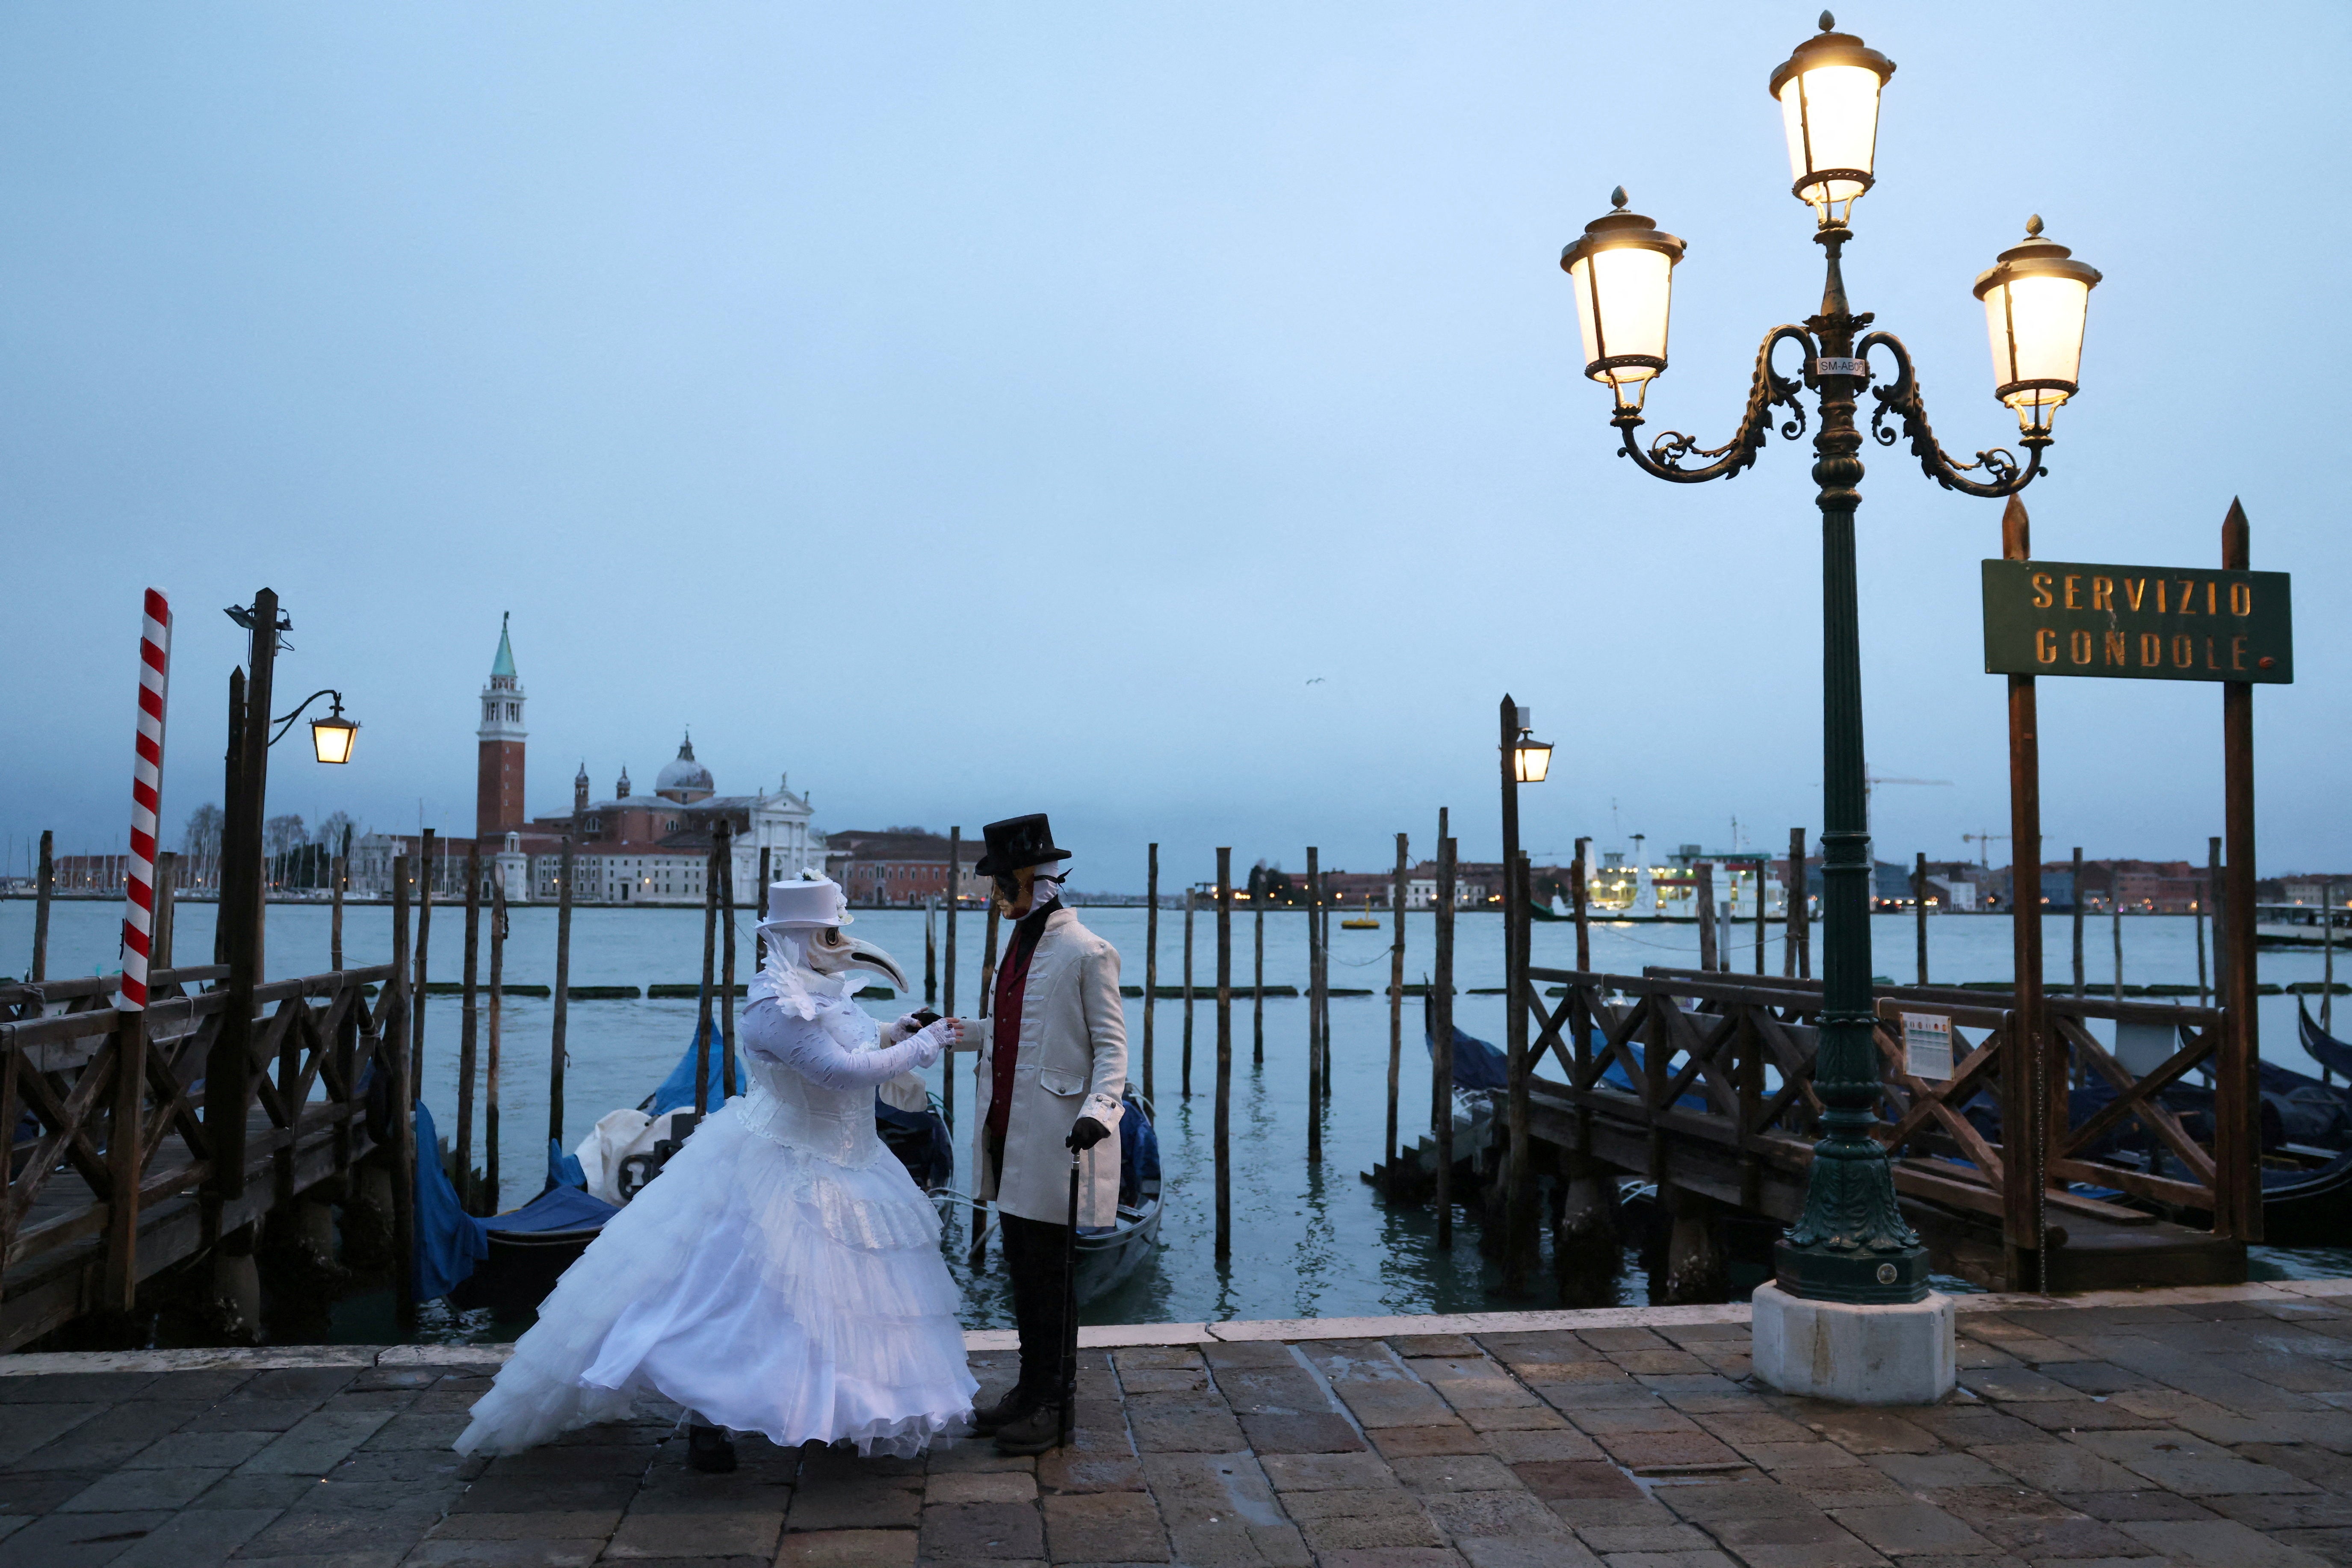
[[1051, 1074]]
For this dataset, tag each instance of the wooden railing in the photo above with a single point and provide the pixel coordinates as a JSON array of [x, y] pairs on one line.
[[1719, 1096], [147, 1142]]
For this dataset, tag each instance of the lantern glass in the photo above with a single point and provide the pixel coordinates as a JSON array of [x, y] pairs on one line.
[[1831, 115], [1533, 760], [331, 739], [1623, 299], [2037, 301]]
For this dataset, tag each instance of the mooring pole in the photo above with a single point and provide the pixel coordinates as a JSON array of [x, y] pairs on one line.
[[1518, 1215], [1313, 1014], [2025, 1103], [405, 1152], [491, 1062], [2079, 901], [1919, 911], [1257, 974], [1578, 895], [43, 888], [725, 853], [1150, 960], [2243, 1031], [339, 881], [709, 966], [1396, 1012], [2327, 962], [2115, 921], [1704, 873], [469, 1029], [559, 1014], [1226, 1053], [1440, 1046], [424, 942], [1189, 901], [948, 977]]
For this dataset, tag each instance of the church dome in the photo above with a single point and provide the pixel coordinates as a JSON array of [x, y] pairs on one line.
[[684, 779]]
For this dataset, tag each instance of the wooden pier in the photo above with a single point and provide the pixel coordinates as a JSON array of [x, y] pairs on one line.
[[1716, 1100], [148, 1151]]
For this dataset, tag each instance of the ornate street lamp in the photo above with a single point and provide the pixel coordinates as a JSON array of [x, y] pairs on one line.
[[1850, 1243], [332, 737]]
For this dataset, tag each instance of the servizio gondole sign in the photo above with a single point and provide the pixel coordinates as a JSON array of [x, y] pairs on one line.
[[2143, 623]]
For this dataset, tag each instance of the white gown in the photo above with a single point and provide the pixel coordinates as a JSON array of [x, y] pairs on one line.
[[782, 1275]]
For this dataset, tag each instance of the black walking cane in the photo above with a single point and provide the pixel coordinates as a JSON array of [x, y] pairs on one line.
[[1070, 1308]]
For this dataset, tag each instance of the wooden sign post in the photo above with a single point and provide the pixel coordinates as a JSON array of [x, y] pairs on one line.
[[2139, 623]]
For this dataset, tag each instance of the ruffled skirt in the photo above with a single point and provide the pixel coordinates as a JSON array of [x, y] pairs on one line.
[[759, 1285]]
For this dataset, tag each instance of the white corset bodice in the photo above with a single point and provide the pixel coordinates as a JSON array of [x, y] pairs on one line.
[[834, 1125]]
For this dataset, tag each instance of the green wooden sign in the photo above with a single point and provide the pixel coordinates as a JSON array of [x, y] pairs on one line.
[[2141, 623]]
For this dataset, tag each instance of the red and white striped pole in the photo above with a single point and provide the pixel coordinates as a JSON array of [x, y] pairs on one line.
[[146, 799]]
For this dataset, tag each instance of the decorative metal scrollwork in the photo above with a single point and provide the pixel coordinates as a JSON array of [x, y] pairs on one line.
[[1901, 399], [1768, 390]]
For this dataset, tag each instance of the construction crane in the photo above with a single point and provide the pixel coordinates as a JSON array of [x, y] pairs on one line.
[[1871, 780], [1981, 840]]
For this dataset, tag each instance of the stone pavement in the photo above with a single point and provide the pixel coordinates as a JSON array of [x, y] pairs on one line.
[[2206, 1428]]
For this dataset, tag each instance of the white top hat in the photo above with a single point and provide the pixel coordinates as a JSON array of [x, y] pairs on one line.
[[812, 901]]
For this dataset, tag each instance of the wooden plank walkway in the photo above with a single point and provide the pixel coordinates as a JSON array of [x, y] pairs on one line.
[[2206, 1428]]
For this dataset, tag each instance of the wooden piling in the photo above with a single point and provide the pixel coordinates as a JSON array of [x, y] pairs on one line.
[[2116, 918], [341, 883], [1190, 900], [983, 1063], [2079, 901], [1919, 911], [405, 1152], [1226, 1053], [470, 1030], [1708, 946], [2204, 912], [948, 979], [491, 1060], [2216, 898], [125, 1163], [558, 1057], [727, 967], [1579, 900], [2025, 1095], [760, 908], [1313, 1013], [1763, 913], [1799, 958], [2241, 1029], [416, 991], [2328, 963], [1323, 1031], [1150, 958], [1441, 1051], [1257, 976], [167, 909], [228, 1064], [1518, 1216], [45, 886], [1396, 1010], [931, 952], [709, 961]]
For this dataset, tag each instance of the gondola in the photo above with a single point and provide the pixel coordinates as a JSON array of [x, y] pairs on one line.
[[1110, 1258]]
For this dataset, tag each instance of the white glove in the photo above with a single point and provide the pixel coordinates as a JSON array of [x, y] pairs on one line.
[[903, 1029], [930, 1042]]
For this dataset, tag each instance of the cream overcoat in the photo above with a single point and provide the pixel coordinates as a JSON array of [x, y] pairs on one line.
[[1071, 1062]]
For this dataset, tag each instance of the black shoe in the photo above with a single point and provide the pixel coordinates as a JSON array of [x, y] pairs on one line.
[[1015, 1403], [709, 1450], [1038, 1429]]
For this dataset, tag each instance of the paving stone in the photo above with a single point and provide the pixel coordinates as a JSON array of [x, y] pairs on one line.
[[861, 1503], [983, 1531], [430, 1429], [129, 1492], [2270, 1512], [1409, 1346], [1708, 1559], [1333, 1472], [1455, 1473], [83, 1539], [2321, 1466], [1654, 1362], [196, 1538], [1282, 1390], [1403, 1442], [1141, 1357], [1562, 1551], [530, 1494], [1529, 1417], [1228, 1354], [2186, 1465], [315, 1444], [2142, 1504], [109, 1437], [1393, 1404], [1842, 1486], [1920, 1471], [1758, 1426], [574, 1524], [217, 1450], [848, 1548], [2329, 1428], [1666, 1450], [1509, 1512], [1578, 1512], [519, 1554], [1175, 1424], [1960, 1425], [1515, 1447], [1066, 1472], [1392, 1557], [1105, 1527], [1536, 1347], [2096, 1377], [2037, 1540], [321, 1532], [1982, 1505], [1164, 1380], [271, 1491], [2216, 1543], [27, 1427], [1647, 1418], [26, 1493], [1609, 1539], [1861, 1431], [1910, 1528], [1796, 1540], [978, 1456], [1300, 1434], [1336, 1521], [2328, 1546], [2057, 1466], [1552, 1479], [704, 1533], [981, 1486], [425, 1466], [1219, 1509], [101, 1388], [1777, 1457]]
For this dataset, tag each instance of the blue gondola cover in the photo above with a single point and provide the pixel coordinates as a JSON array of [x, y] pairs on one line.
[[449, 1241], [676, 1090], [558, 1208]]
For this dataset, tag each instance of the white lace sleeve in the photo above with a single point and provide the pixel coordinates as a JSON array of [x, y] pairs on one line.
[[806, 1047]]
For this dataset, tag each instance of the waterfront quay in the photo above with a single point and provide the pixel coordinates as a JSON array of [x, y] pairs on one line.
[[2199, 1425]]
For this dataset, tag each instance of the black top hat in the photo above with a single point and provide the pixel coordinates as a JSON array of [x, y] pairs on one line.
[[1018, 841]]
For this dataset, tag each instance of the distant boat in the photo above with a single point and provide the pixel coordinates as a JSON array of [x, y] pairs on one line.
[[1359, 922]]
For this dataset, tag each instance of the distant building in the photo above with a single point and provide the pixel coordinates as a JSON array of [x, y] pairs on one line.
[[896, 867]]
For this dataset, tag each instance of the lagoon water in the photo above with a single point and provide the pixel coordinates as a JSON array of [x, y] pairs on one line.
[[1308, 1241]]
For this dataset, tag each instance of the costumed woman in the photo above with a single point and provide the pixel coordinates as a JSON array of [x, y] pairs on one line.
[[782, 1275]]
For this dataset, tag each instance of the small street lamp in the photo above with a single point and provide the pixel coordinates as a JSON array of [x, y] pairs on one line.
[[1524, 761], [1530, 759], [332, 737], [1850, 1243]]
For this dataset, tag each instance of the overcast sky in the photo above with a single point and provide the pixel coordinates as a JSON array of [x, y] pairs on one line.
[[1167, 417]]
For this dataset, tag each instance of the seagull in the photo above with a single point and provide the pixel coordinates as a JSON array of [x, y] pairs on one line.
[[1315, 681]]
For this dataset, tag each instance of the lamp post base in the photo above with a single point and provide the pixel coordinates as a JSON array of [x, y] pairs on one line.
[[1896, 1353]]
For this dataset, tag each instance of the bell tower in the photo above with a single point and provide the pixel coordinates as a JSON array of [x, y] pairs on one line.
[[498, 796]]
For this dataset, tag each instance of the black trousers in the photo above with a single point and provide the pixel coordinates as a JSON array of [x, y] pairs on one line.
[[1037, 1259]]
